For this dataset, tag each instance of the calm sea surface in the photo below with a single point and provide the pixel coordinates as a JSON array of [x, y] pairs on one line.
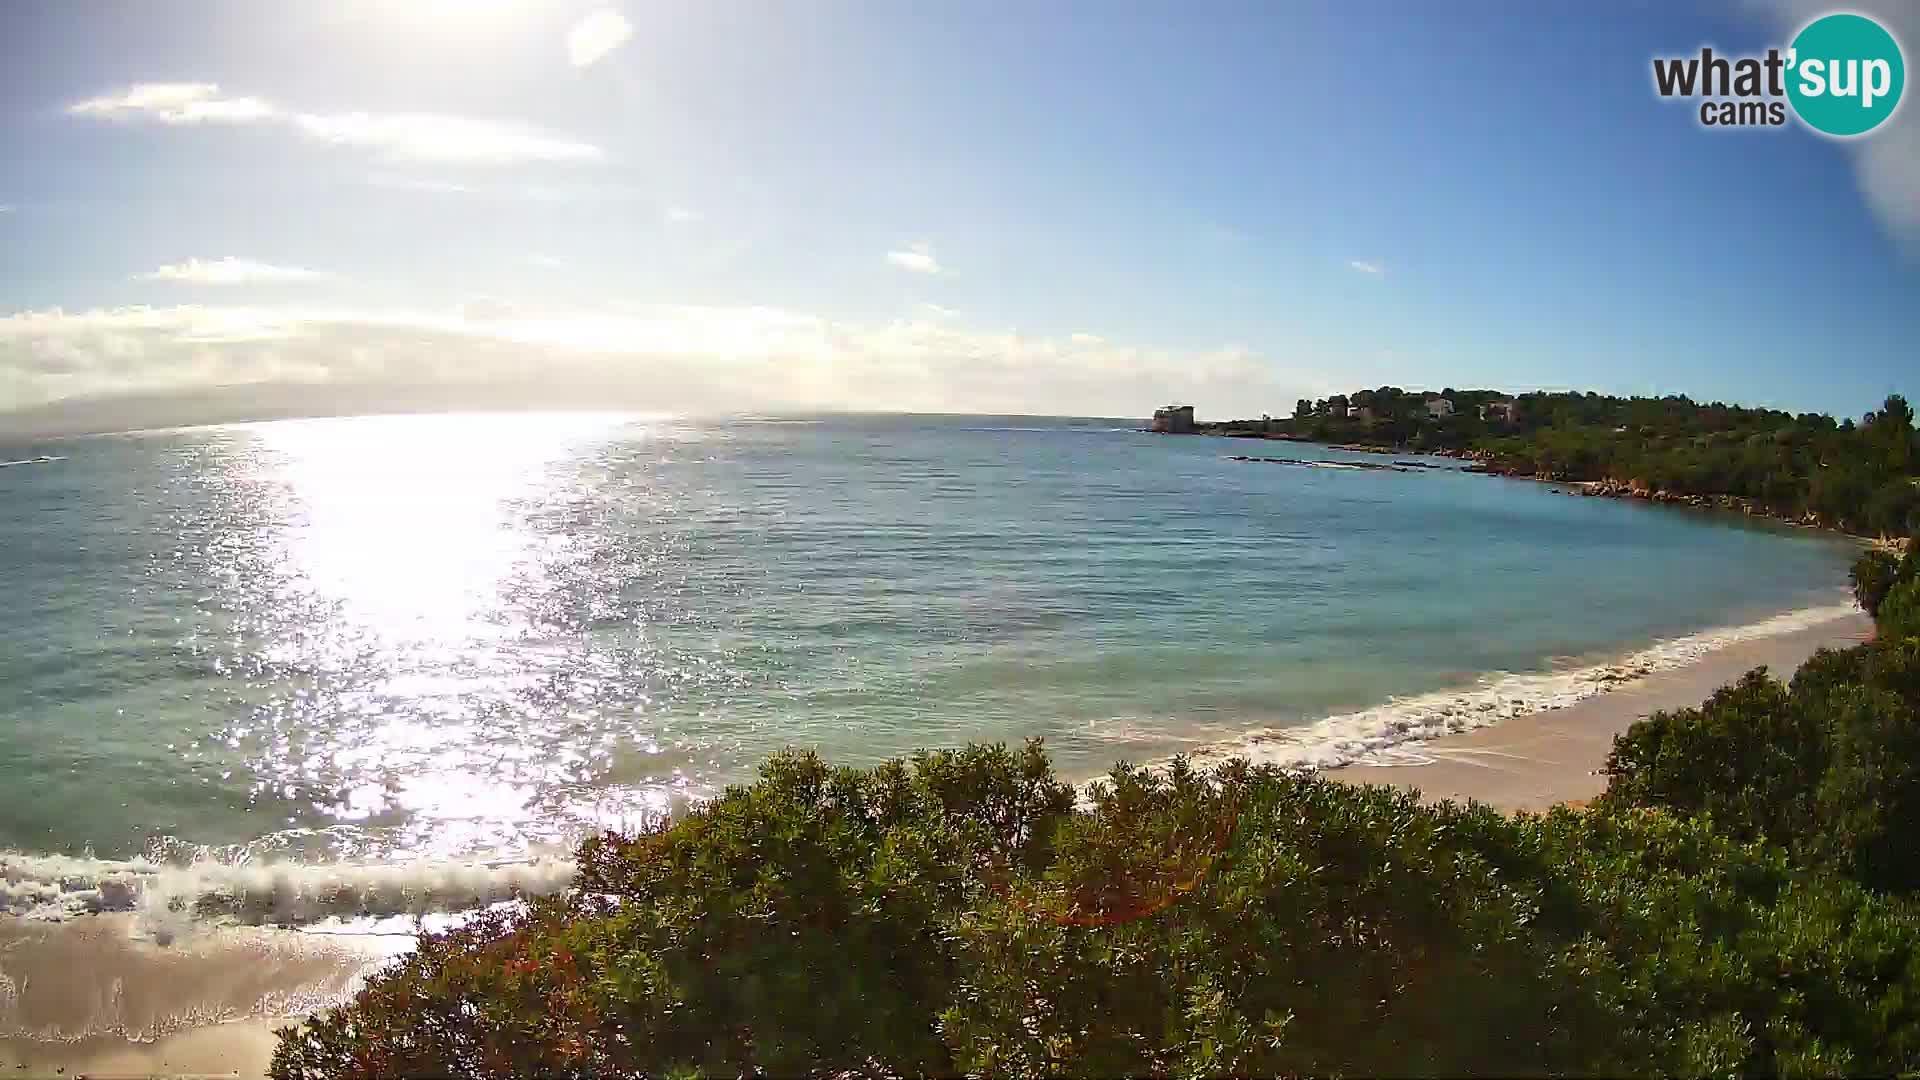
[[449, 635]]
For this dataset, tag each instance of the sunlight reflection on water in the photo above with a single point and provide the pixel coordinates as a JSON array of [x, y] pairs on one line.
[[395, 540], [471, 635]]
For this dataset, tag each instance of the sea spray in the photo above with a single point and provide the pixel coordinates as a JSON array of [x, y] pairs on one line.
[[167, 897]]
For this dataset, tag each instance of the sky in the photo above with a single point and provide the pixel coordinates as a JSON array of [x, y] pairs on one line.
[[1082, 207]]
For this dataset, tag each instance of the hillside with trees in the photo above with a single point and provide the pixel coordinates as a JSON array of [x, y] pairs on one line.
[[1744, 899], [1802, 467]]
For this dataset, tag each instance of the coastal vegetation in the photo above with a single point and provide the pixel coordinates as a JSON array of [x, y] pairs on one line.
[[1744, 897], [1740, 900], [957, 914], [1803, 467]]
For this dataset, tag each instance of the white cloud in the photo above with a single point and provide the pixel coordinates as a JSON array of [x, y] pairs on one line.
[[176, 103], [231, 271], [1366, 267], [597, 35], [1886, 161], [397, 182], [917, 258], [424, 137], [670, 357], [1086, 339], [5, 209], [680, 215], [935, 311], [401, 136], [547, 262]]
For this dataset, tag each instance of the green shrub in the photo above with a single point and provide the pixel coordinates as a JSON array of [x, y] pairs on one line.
[[1900, 613], [1874, 574], [795, 925], [1746, 757], [958, 915], [1828, 768]]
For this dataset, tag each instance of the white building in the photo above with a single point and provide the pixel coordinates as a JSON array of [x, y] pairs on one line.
[[1501, 412], [1174, 420], [1438, 407]]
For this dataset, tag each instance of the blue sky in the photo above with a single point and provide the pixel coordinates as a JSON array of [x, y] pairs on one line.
[[1068, 207]]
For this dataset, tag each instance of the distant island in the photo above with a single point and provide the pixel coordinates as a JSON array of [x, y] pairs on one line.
[[1805, 467]]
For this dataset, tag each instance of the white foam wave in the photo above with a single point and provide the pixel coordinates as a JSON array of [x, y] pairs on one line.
[[166, 897], [1388, 734]]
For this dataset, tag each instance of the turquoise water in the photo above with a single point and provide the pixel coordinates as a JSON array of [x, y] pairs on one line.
[[448, 635]]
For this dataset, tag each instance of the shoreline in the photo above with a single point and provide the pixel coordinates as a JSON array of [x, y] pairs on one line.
[[93, 995], [1477, 463], [230, 1048], [1541, 759], [89, 996]]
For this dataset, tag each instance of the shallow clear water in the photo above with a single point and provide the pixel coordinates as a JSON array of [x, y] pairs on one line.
[[447, 635]]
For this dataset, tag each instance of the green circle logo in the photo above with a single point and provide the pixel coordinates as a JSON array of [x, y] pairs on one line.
[[1845, 74]]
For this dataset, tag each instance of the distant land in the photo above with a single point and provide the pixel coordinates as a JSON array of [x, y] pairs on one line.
[[1807, 467]]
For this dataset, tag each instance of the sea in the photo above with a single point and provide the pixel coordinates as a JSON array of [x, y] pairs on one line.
[[287, 672]]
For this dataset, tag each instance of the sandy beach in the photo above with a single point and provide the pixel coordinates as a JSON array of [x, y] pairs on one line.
[[1535, 761], [89, 997], [236, 1048]]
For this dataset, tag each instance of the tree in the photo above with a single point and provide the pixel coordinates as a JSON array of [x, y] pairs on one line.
[[1828, 768], [957, 914], [1874, 574], [1900, 612]]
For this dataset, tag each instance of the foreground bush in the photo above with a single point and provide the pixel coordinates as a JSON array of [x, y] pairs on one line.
[[1900, 613], [959, 915], [1874, 574], [1827, 767]]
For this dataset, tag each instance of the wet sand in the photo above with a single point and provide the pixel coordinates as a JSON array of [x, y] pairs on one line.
[[1536, 761], [237, 1048], [89, 996]]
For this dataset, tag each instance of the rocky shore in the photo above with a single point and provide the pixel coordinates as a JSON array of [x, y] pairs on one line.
[[1328, 463], [1638, 489], [1484, 462]]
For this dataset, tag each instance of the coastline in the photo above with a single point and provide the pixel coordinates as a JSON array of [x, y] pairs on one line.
[[234, 1048], [1478, 463], [1538, 760], [91, 996], [94, 995]]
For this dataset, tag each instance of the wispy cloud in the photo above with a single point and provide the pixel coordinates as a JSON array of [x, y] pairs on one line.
[[425, 137], [176, 103], [1086, 339], [595, 36], [1366, 267], [5, 208], [671, 357], [917, 258], [231, 271], [428, 185], [680, 215], [421, 137], [547, 262]]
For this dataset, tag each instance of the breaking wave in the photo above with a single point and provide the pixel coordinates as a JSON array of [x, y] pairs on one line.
[[165, 897], [1388, 734]]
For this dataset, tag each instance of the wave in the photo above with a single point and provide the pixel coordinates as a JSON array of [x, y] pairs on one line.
[[165, 897], [1389, 734]]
